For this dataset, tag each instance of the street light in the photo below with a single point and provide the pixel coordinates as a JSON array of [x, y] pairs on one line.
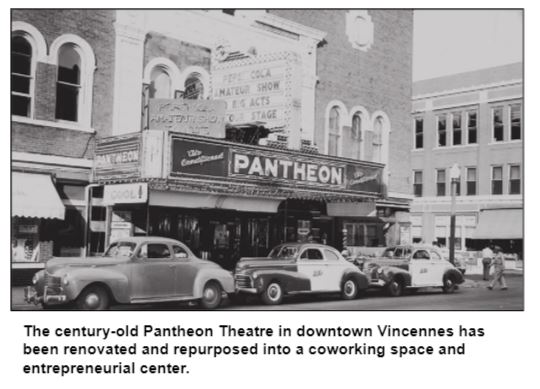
[[455, 173]]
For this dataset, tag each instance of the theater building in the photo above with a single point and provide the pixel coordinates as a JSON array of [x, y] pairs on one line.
[[473, 119], [236, 130]]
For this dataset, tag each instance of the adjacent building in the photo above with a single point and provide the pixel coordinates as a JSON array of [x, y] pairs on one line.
[[231, 130], [474, 120]]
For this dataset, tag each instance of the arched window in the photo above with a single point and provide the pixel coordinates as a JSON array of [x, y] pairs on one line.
[[193, 88], [378, 126], [160, 84], [68, 84], [21, 76], [334, 131], [356, 136]]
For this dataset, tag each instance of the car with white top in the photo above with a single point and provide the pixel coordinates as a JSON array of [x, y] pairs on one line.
[[411, 267], [294, 268]]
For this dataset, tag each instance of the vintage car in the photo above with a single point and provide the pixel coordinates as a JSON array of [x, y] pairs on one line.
[[132, 270], [401, 268], [298, 268]]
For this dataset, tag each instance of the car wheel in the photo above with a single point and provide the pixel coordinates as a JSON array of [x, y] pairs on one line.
[[273, 294], [449, 285], [211, 295], [395, 288], [93, 298], [349, 290]]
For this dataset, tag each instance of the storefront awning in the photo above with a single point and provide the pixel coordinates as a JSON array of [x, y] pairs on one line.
[[351, 209], [34, 195], [201, 200], [500, 224]]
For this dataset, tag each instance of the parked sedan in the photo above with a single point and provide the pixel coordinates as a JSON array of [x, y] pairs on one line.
[[299, 268], [411, 267], [132, 270]]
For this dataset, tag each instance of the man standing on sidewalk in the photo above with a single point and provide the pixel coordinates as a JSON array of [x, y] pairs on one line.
[[487, 256], [498, 265]]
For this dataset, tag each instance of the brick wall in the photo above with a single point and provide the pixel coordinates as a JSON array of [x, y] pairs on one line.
[[94, 26], [379, 79], [181, 53]]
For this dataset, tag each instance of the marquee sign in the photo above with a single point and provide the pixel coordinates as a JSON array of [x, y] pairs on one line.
[[118, 157], [198, 117], [259, 89]]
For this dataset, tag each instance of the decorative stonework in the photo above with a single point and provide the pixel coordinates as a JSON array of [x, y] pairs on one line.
[[359, 29]]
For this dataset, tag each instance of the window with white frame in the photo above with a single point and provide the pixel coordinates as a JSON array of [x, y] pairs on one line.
[[496, 180], [471, 181], [515, 180], [498, 124], [160, 84], [441, 130], [356, 136], [378, 127], [334, 131], [68, 83], [515, 122], [21, 76], [418, 183], [418, 132], [441, 182], [456, 128], [193, 87], [472, 126]]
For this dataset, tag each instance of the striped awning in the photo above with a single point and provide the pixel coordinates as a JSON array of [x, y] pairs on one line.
[[34, 195]]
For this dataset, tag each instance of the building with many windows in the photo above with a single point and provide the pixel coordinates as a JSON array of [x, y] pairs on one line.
[[231, 130], [474, 120]]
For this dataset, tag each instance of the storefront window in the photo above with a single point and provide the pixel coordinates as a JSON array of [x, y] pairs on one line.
[[363, 234], [189, 232]]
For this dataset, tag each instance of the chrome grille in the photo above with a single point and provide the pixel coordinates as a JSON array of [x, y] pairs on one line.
[[242, 281], [53, 284]]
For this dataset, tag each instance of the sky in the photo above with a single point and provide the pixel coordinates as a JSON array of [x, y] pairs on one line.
[[455, 41]]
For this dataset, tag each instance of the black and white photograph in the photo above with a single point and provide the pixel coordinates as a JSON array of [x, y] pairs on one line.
[[267, 159]]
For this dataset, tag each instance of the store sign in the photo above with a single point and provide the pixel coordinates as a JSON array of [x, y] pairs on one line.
[[125, 193], [258, 89], [286, 168], [363, 178], [198, 117], [117, 157], [198, 158]]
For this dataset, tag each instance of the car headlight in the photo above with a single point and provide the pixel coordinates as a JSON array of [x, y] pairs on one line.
[[254, 275], [380, 270], [65, 281], [35, 279]]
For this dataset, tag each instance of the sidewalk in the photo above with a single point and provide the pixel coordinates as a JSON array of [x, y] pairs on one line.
[[476, 281]]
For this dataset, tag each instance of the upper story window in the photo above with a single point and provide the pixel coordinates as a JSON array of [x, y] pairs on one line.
[[498, 124], [356, 136], [497, 180], [515, 122], [472, 126], [456, 128], [160, 84], [378, 126], [471, 181], [418, 183], [193, 88], [441, 130], [441, 182], [21, 76], [334, 131], [68, 84], [419, 133], [515, 179]]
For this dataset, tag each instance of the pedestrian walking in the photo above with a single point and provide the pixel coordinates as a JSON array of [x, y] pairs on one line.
[[498, 267], [487, 257]]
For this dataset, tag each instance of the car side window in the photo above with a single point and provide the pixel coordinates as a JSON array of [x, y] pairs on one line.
[[312, 254], [421, 254], [398, 253], [436, 256], [331, 255], [155, 251], [406, 252], [179, 252]]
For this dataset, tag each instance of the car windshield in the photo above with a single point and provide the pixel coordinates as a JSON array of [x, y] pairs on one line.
[[284, 252], [120, 249], [388, 253]]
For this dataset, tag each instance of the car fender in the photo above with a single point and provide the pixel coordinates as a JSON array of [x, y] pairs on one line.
[[362, 281], [80, 278], [391, 272], [290, 281], [220, 275], [455, 274]]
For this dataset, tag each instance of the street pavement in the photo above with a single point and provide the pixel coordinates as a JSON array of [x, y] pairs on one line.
[[471, 296]]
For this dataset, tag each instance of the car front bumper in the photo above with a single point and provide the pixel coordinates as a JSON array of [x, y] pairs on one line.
[[31, 296]]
